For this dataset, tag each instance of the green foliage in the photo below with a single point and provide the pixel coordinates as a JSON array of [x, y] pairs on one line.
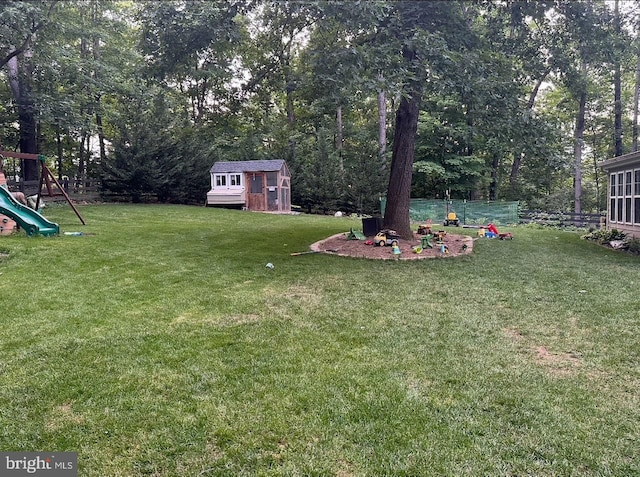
[[159, 344], [633, 245], [255, 80], [630, 244], [320, 179], [153, 158], [604, 236]]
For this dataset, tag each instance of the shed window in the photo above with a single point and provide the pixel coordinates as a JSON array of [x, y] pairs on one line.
[[636, 184], [272, 179], [234, 179], [221, 180], [627, 183]]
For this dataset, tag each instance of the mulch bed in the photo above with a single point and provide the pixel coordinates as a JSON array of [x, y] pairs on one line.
[[339, 245]]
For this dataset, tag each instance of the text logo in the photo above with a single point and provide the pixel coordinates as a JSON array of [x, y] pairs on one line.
[[39, 464]]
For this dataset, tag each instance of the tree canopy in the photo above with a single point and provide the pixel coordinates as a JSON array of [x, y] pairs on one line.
[[493, 100]]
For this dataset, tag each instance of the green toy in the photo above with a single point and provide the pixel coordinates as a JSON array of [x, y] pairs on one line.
[[355, 235], [426, 241]]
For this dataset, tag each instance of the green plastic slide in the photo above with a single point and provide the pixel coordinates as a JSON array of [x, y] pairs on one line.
[[30, 220]]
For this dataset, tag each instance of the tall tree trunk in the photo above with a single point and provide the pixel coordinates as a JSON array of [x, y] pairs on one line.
[[20, 70], [97, 55], [59, 149], [382, 125], [515, 172], [519, 156], [85, 146], [103, 149], [396, 214], [636, 99], [596, 168], [493, 186], [617, 87], [339, 138], [577, 148]]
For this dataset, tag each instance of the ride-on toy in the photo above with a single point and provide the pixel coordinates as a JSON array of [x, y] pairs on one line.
[[386, 237], [452, 219]]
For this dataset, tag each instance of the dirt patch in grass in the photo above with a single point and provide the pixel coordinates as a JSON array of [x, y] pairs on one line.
[[558, 364], [62, 416], [338, 244]]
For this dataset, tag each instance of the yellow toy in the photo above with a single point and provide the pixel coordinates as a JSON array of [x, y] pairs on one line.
[[452, 219]]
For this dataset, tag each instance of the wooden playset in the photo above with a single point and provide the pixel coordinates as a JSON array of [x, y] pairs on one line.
[[19, 211]]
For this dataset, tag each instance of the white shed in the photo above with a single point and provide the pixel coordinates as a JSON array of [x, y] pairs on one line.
[[252, 185]]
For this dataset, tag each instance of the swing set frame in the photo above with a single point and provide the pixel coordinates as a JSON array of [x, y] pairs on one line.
[[46, 177]]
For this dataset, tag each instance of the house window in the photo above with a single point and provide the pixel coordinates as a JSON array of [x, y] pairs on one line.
[[613, 201], [620, 184], [636, 196], [628, 175], [613, 185], [234, 179], [221, 180], [619, 215], [624, 192]]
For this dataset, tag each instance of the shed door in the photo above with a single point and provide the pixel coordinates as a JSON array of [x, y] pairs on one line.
[[256, 191]]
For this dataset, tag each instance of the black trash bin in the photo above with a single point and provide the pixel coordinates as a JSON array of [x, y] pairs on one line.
[[371, 226]]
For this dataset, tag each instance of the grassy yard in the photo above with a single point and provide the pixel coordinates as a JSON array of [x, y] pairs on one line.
[[159, 344]]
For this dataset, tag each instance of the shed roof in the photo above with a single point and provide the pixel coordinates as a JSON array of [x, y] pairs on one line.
[[248, 166]]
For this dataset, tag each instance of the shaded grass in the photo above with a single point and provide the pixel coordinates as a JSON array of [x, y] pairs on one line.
[[162, 345]]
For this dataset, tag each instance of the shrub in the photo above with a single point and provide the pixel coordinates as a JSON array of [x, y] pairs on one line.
[[633, 245], [605, 236]]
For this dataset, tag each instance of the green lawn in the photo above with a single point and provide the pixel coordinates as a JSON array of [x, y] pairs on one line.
[[159, 344]]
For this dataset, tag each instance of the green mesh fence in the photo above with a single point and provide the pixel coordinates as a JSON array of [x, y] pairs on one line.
[[471, 212]]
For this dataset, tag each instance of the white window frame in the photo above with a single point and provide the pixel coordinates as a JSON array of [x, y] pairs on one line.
[[612, 196], [635, 217], [220, 180], [235, 180], [628, 197], [620, 198]]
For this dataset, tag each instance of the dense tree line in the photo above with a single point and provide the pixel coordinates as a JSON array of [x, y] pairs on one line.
[[485, 99]]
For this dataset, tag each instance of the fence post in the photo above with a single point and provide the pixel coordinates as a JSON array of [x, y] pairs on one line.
[[464, 211]]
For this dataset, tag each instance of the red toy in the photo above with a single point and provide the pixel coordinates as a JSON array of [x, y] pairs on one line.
[[492, 229]]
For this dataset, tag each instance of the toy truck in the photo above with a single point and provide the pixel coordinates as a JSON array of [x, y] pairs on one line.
[[452, 219], [386, 237]]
